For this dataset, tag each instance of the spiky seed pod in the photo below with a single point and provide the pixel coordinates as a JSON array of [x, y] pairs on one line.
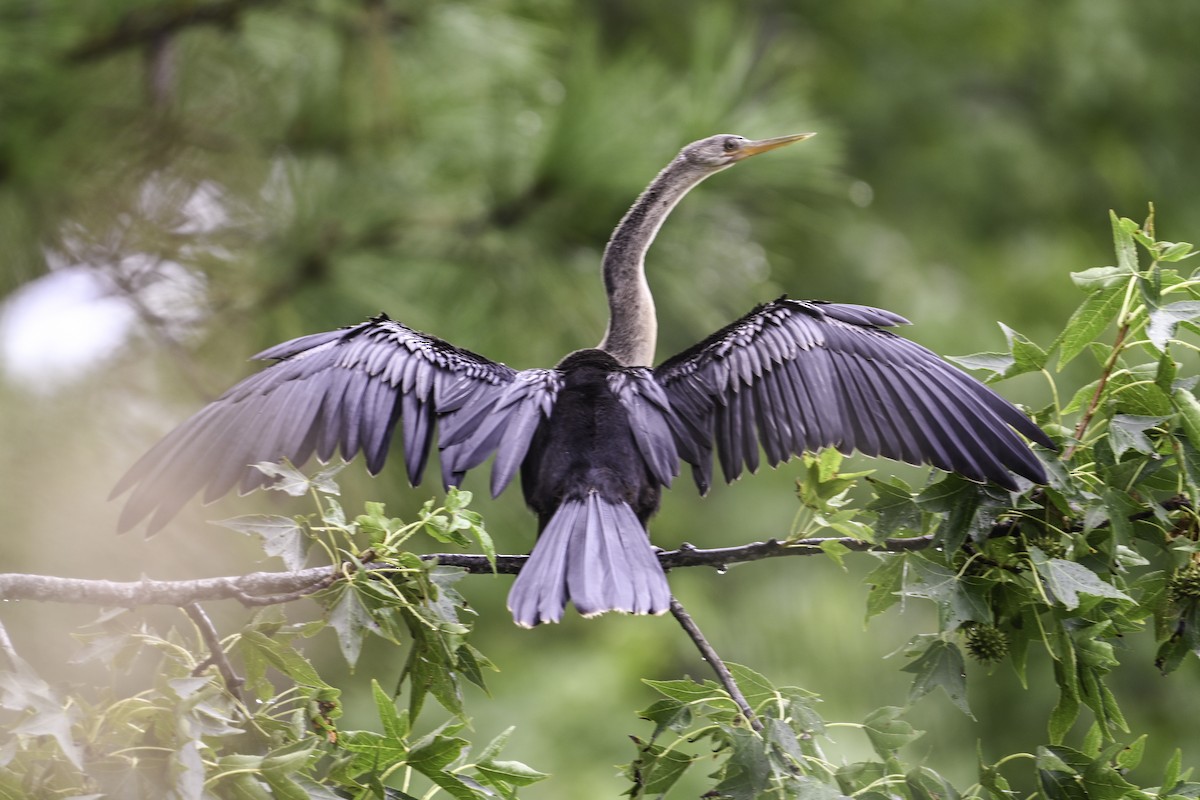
[[1051, 544], [985, 643], [1184, 586]]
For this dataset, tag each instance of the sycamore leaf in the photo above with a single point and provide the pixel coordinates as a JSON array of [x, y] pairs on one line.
[[289, 480], [1175, 251], [350, 621], [281, 536], [285, 658], [1096, 312], [1066, 580], [895, 506], [1160, 327], [687, 691], [1100, 278], [1128, 432], [1188, 406], [996, 363], [754, 685], [57, 723], [884, 584], [395, 723], [888, 732], [941, 665], [958, 599], [516, 773], [1123, 229], [188, 772], [1023, 356]]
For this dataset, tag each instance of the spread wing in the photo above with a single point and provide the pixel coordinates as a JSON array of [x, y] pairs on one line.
[[795, 376], [656, 429], [345, 390]]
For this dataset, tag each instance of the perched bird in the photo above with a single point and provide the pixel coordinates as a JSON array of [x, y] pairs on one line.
[[597, 437]]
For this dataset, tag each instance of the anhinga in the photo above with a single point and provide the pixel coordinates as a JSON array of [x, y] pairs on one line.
[[598, 436]]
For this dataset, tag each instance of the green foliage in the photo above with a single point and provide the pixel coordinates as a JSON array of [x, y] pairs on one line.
[[1104, 551], [1108, 549], [274, 732]]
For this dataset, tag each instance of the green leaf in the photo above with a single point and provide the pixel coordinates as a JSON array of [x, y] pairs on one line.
[[1023, 356], [514, 773], [1123, 229], [1171, 772], [656, 768], [888, 732], [1066, 580], [1128, 432], [687, 691], [836, 551], [1131, 755], [996, 363], [434, 752], [1189, 414], [1162, 322], [395, 723], [1027, 356], [1095, 314], [285, 658], [1174, 251], [959, 600], [748, 770], [281, 536], [289, 480], [189, 772], [350, 621], [884, 584], [56, 722], [941, 665], [1097, 278], [667, 714], [896, 507], [1102, 782]]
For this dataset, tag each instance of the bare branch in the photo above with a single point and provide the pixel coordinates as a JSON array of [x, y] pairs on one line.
[[270, 588], [710, 655], [150, 592], [216, 653]]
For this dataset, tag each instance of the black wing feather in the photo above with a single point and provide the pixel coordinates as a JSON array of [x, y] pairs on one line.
[[793, 376], [340, 390]]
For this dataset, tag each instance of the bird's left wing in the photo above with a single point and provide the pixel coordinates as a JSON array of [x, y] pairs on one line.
[[795, 376], [343, 390]]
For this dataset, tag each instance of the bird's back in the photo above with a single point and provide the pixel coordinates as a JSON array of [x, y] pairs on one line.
[[587, 445]]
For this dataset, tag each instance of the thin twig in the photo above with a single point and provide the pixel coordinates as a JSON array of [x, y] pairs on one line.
[[216, 653], [1105, 373], [710, 655]]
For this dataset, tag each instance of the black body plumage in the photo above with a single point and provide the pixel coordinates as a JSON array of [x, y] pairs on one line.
[[597, 437]]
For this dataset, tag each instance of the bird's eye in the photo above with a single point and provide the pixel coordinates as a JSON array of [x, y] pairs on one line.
[[731, 144]]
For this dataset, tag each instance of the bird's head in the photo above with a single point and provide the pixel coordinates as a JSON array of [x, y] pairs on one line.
[[726, 149]]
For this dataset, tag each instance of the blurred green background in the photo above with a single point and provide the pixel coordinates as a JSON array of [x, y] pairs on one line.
[[184, 183]]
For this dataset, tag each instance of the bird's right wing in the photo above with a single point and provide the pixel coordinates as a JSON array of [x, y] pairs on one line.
[[795, 376], [345, 390]]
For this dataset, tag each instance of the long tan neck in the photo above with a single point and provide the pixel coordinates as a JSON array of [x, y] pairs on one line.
[[632, 324]]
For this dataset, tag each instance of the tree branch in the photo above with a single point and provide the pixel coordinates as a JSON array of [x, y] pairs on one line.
[[216, 653], [269, 588], [710, 655]]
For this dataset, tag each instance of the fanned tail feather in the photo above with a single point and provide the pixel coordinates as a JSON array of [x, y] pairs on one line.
[[596, 554]]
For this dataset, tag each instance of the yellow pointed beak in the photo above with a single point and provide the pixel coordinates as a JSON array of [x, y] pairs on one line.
[[754, 147]]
